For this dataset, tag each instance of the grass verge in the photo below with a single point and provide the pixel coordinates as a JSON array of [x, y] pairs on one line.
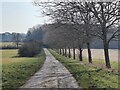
[[17, 70], [88, 76]]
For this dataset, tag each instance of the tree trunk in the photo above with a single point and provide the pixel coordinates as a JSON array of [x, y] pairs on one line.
[[69, 55], [80, 55], [17, 44], [60, 51], [73, 52], [106, 46], [106, 53], [65, 52], [57, 51], [89, 53]]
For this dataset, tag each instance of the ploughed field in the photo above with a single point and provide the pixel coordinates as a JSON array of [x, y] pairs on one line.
[[7, 44], [99, 54], [98, 57]]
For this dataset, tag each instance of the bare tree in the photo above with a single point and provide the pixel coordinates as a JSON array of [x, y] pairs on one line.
[[107, 15], [66, 12], [75, 13], [60, 37], [103, 15]]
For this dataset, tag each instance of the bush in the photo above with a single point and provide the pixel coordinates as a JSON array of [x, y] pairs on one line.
[[29, 49]]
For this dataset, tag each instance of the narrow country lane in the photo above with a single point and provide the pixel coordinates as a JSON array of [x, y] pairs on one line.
[[52, 75]]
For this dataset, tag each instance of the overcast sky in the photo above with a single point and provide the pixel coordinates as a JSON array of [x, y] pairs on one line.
[[19, 15]]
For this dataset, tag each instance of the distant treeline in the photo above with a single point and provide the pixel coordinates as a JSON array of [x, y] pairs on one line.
[[36, 33], [9, 37]]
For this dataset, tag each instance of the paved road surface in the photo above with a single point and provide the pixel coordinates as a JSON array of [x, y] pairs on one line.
[[52, 75]]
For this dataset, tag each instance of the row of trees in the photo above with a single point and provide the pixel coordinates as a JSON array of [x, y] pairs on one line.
[[65, 36], [77, 23]]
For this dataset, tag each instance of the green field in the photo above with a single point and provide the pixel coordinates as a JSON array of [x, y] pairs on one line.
[[16, 70], [88, 76]]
